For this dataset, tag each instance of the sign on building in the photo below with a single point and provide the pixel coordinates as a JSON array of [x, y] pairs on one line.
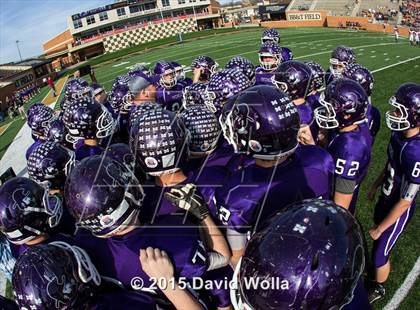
[[304, 16]]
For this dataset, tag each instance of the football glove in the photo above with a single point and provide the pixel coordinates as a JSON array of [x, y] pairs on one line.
[[189, 199]]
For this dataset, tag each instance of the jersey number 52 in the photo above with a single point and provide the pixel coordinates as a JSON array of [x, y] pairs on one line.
[[341, 163]]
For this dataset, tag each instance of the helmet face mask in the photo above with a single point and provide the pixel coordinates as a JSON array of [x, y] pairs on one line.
[[325, 115], [337, 67], [397, 119], [269, 62], [168, 79]]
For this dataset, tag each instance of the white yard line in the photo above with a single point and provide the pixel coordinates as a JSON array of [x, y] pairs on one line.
[[177, 52], [404, 289], [396, 64], [353, 47]]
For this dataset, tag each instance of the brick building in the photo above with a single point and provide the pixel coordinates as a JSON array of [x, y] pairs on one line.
[[127, 23], [18, 76]]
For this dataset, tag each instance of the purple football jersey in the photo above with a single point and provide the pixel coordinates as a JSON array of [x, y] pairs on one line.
[[286, 54], [118, 257], [306, 114], [130, 300], [84, 150], [373, 117], [403, 165], [263, 77], [257, 192], [351, 152], [170, 99]]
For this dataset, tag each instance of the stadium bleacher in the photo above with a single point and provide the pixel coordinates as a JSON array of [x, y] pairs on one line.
[[379, 10], [337, 7]]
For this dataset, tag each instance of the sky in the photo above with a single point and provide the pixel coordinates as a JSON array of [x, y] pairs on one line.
[[33, 22]]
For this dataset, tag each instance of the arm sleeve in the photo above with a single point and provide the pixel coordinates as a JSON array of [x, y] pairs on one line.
[[236, 239], [344, 186], [409, 191], [411, 164]]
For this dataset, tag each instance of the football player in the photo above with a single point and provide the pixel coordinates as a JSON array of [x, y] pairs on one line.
[[143, 88], [88, 120], [121, 102], [270, 35], [243, 64], [264, 123], [270, 57], [105, 199], [317, 84], [204, 130], [343, 113], [365, 78], [57, 133], [315, 248], [161, 150], [223, 85], [29, 215], [295, 78], [61, 276], [341, 57], [400, 181], [138, 70], [203, 67], [49, 164], [180, 75], [169, 93], [39, 117]]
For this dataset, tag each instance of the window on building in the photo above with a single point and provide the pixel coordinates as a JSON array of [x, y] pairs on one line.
[[150, 6], [90, 20], [103, 16], [77, 23], [134, 9], [181, 1], [193, 1], [165, 3], [121, 11]]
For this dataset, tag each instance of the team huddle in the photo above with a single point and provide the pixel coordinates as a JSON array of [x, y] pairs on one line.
[[234, 174]]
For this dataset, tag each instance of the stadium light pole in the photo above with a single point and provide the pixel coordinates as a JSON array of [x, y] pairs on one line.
[[17, 45], [195, 16]]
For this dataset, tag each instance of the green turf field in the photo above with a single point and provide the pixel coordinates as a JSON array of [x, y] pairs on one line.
[[374, 50], [16, 123]]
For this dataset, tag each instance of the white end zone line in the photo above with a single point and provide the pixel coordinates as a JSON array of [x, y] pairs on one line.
[[404, 289], [396, 64]]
